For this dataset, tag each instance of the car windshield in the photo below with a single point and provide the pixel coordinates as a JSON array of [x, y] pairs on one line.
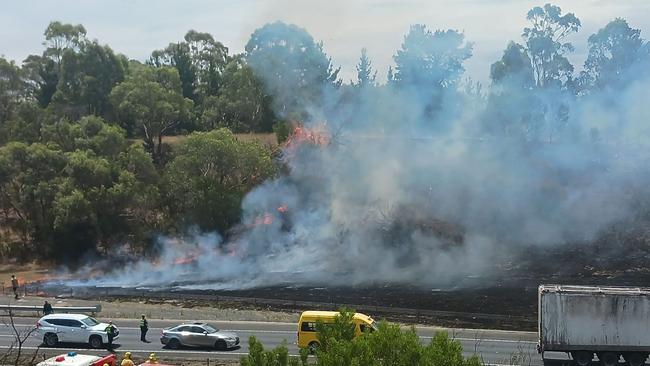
[[210, 328], [89, 321]]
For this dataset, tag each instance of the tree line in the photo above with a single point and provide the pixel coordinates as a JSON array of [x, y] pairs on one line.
[[85, 168]]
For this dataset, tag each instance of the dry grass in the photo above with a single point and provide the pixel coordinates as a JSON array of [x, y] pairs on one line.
[[25, 273], [172, 140], [115, 308], [268, 139]]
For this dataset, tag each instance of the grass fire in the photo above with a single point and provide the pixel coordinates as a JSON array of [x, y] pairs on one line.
[[425, 177]]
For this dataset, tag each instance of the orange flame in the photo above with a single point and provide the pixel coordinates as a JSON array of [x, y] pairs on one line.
[[194, 255], [185, 260], [266, 219], [316, 135]]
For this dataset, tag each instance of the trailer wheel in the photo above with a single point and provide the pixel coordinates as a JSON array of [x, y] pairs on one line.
[[582, 358], [608, 359], [635, 359]]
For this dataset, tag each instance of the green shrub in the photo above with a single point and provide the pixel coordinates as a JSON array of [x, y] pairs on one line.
[[282, 131], [279, 356], [389, 345]]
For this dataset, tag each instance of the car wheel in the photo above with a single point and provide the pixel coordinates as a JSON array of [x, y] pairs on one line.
[[50, 340], [173, 343], [313, 347], [95, 341], [221, 345]]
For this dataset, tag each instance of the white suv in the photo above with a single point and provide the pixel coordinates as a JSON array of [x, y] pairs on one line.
[[72, 328]]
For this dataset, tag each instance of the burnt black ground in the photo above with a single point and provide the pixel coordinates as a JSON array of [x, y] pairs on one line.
[[506, 299]]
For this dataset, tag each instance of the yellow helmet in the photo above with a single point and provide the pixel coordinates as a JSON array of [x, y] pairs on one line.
[[127, 355], [152, 357]]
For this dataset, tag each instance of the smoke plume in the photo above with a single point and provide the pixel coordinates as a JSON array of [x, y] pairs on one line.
[[423, 185]]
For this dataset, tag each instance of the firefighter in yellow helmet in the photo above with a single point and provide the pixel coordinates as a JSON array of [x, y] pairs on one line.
[[152, 358], [127, 361]]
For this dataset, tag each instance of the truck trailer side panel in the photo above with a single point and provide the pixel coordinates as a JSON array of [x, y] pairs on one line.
[[573, 318]]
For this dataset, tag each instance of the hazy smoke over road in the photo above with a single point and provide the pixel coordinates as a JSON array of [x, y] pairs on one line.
[[424, 180]]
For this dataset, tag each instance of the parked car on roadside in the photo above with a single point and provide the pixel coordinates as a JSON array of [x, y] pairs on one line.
[[72, 328], [198, 335]]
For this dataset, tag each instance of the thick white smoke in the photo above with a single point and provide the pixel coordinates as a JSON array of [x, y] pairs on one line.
[[389, 192]]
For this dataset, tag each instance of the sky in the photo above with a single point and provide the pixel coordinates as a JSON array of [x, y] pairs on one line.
[[137, 27]]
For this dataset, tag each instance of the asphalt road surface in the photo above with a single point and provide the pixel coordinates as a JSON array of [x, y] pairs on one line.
[[494, 347]]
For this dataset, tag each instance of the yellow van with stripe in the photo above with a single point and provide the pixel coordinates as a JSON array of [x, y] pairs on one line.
[[308, 336]]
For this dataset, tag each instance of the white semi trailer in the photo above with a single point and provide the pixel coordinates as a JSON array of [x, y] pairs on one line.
[[586, 321]]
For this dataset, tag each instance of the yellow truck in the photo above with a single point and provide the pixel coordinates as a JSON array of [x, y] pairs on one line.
[[308, 336]]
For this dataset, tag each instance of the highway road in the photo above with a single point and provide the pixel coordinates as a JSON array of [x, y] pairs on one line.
[[495, 347]]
